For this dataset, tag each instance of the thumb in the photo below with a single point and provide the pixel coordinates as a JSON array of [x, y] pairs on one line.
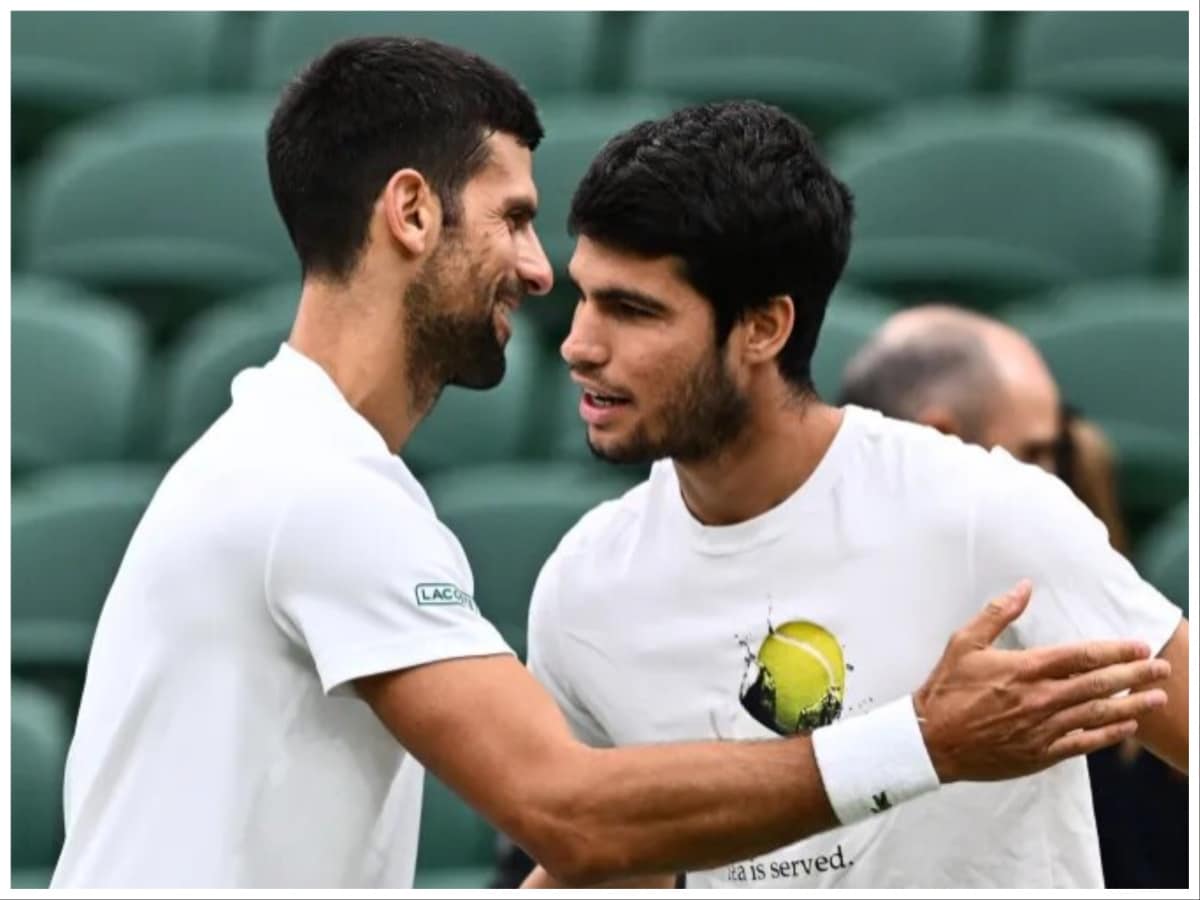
[[998, 614]]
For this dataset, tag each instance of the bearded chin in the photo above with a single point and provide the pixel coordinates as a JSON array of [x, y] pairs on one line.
[[702, 419], [479, 362], [457, 348]]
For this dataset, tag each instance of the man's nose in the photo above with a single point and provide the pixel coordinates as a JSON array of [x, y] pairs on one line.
[[533, 267]]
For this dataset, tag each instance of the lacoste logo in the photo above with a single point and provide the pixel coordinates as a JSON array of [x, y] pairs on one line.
[[443, 595]]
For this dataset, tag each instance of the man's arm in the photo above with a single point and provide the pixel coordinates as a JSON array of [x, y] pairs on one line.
[[1164, 731], [1029, 523], [487, 729]]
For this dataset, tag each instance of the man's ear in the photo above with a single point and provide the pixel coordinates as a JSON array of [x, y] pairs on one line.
[[941, 418], [766, 329], [412, 212]]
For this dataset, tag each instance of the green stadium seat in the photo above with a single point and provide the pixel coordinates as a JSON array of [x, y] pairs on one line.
[[824, 66], [1133, 63], [66, 65], [200, 366], [509, 519], [1163, 556], [989, 199], [1120, 354], [469, 427], [852, 317], [77, 362], [456, 847], [167, 201], [549, 52], [70, 528], [39, 749]]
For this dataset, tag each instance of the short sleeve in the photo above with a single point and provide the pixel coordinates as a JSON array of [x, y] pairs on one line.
[[545, 659], [367, 580], [1028, 524]]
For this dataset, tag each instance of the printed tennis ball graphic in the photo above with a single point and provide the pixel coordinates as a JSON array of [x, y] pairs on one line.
[[801, 679]]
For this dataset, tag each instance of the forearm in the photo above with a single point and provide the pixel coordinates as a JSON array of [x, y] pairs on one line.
[[722, 802], [1164, 732], [591, 815]]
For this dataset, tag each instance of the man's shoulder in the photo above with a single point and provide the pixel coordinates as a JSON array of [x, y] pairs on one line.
[[315, 484], [917, 463], [914, 443], [378, 489], [956, 485]]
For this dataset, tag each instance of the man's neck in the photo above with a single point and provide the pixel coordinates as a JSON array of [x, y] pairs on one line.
[[775, 454], [361, 346]]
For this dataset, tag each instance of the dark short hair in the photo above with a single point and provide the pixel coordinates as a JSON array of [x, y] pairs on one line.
[[371, 106], [737, 191]]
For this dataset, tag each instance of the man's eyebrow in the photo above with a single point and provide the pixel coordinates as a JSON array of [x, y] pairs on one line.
[[616, 294], [521, 206]]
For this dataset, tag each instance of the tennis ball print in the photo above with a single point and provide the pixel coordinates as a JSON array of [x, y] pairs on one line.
[[797, 680]]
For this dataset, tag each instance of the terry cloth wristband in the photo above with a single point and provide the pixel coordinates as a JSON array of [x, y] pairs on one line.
[[872, 762]]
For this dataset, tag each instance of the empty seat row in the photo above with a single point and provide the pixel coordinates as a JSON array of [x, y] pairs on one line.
[[994, 198], [826, 66], [167, 205], [85, 387]]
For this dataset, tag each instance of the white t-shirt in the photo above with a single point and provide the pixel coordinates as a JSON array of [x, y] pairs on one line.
[[649, 627], [220, 742]]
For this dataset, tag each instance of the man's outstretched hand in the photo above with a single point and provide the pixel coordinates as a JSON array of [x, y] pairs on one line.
[[988, 714]]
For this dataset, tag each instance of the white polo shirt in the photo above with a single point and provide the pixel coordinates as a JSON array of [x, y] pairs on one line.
[[220, 742], [647, 626]]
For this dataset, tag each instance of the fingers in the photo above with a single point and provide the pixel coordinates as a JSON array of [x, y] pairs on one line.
[[1108, 711], [999, 613], [1108, 681], [1074, 659], [1083, 742]]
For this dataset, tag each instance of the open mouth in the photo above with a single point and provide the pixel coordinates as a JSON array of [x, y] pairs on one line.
[[603, 401]]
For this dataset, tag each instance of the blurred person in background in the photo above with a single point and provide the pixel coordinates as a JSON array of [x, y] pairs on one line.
[[976, 378], [790, 563], [292, 634]]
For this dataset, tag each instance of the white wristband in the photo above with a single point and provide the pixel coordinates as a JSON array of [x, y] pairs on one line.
[[872, 762]]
